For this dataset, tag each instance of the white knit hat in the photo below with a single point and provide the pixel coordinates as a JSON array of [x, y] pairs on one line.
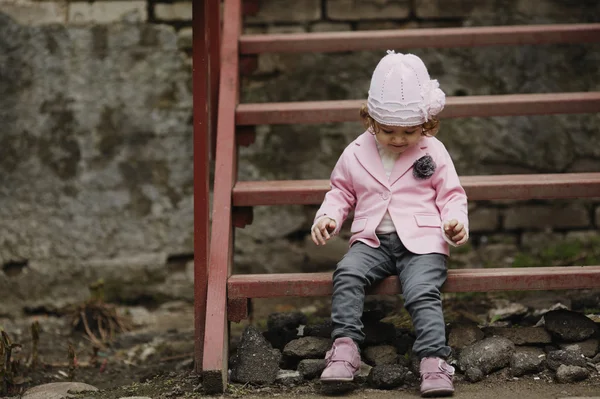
[[401, 92]]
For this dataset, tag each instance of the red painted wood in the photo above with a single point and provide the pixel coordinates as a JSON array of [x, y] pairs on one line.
[[419, 38], [250, 7], [463, 280], [243, 216], [214, 47], [237, 309], [245, 135], [216, 327], [499, 187], [248, 65], [456, 107], [202, 131]]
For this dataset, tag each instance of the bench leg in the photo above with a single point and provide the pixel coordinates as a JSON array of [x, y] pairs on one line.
[[237, 309]]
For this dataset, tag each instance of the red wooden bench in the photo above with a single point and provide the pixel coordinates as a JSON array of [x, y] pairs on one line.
[[228, 295]]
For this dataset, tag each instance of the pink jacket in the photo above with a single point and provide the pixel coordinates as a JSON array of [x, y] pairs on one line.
[[417, 207]]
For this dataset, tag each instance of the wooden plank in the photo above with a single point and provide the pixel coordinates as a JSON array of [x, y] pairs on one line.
[[237, 309], [306, 112], [201, 76], [419, 38], [499, 187], [214, 47], [461, 280], [216, 341]]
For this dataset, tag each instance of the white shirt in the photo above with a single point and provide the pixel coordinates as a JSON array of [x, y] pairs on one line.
[[388, 158]]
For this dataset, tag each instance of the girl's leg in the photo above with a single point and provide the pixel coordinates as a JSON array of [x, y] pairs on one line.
[[422, 277], [361, 267]]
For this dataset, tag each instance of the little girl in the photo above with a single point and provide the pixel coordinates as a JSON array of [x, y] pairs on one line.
[[408, 206]]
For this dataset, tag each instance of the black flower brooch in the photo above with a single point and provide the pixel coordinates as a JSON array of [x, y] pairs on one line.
[[424, 167]]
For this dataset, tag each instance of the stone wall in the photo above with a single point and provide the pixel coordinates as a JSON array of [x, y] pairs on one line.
[[95, 137]]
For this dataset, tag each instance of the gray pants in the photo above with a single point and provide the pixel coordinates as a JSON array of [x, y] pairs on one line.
[[421, 277]]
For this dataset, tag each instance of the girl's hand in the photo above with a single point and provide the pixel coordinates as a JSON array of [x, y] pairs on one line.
[[455, 232], [321, 231]]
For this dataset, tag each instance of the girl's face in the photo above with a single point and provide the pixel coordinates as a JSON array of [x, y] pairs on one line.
[[398, 138]]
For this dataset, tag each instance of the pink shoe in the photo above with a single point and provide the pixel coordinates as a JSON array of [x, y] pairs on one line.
[[343, 361], [436, 377]]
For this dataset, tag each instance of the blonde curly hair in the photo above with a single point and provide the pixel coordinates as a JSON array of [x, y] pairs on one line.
[[430, 128]]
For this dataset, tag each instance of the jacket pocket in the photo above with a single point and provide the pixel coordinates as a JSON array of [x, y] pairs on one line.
[[428, 220], [358, 225]]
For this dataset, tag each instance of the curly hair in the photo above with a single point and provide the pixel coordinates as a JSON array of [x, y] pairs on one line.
[[430, 128]]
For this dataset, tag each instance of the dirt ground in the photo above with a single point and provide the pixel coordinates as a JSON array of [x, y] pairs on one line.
[[155, 358]]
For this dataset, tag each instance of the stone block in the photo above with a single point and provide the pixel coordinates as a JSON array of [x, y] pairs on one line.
[[107, 11], [330, 27], [35, 13], [444, 8], [546, 216], [360, 10], [272, 29], [286, 11], [179, 11], [538, 241], [383, 25], [184, 38], [484, 219]]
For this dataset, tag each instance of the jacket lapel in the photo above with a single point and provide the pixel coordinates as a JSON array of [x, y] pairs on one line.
[[368, 156], [406, 160]]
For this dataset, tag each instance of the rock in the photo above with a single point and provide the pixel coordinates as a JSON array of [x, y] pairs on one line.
[[307, 348], [506, 310], [322, 330], [587, 299], [288, 377], [520, 335], [566, 374], [311, 368], [377, 307], [527, 360], [596, 359], [589, 347], [288, 320], [541, 312], [282, 328], [380, 355], [414, 364], [255, 361], [487, 355], [280, 338], [135, 397], [387, 376], [461, 336], [379, 333], [363, 374], [404, 341], [565, 357], [57, 390], [569, 326], [473, 374], [404, 360]]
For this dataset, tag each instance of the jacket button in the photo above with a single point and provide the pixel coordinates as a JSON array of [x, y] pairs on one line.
[[385, 195]]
